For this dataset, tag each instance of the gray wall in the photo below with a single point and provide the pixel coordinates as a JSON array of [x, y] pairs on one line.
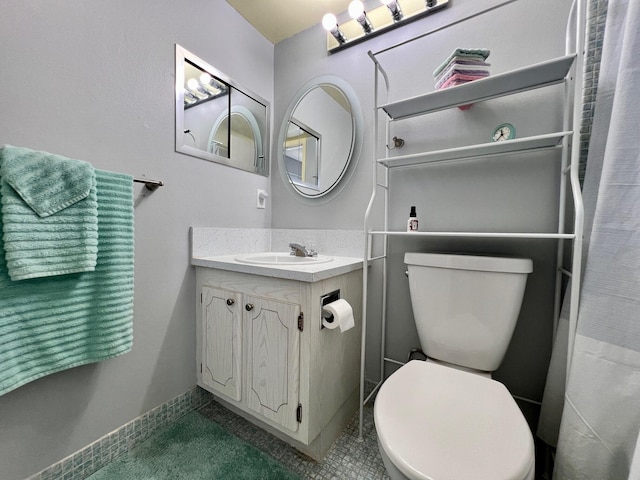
[[515, 193], [94, 80]]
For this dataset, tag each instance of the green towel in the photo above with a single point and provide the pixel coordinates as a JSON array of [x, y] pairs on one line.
[[55, 323], [49, 210]]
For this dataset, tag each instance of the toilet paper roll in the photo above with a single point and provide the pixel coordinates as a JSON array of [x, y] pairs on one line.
[[342, 315]]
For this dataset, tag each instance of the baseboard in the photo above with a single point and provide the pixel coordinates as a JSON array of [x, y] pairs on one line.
[[108, 448]]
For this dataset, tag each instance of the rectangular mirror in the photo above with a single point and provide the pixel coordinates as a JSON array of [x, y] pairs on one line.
[[216, 119]]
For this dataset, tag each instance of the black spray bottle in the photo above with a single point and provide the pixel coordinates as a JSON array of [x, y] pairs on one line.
[[412, 223]]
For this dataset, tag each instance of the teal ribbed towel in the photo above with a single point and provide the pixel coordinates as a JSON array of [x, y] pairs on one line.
[[50, 213], [55, 323], [46, 182]]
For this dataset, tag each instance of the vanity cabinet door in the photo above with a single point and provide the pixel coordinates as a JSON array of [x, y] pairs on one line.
[[272, 342], [222, 341]]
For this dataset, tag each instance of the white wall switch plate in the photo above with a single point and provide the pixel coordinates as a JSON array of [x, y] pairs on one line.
[[261, 198]]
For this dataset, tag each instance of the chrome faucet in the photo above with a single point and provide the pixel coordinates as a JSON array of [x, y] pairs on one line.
[[301, 251]]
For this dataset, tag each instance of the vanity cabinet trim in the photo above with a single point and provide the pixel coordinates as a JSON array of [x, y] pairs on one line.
[[272, 362], [221, 366]]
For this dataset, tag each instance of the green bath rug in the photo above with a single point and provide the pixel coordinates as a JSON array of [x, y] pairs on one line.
[[194, 448]]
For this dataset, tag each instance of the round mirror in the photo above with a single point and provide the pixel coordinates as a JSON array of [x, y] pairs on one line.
[[321, 137]]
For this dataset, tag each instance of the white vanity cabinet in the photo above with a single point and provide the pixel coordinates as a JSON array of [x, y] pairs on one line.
[[262, 353]]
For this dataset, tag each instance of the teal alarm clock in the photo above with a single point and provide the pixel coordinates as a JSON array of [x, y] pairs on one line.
[[502, 132]]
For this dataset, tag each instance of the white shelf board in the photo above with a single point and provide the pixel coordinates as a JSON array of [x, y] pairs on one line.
[[537, 142], [530, 77], [568, 236]]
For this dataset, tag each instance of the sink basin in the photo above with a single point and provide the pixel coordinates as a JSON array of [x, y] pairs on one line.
[[280, 258]]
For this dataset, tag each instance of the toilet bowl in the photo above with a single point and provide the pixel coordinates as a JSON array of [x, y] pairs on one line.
[[450, 420], [436, 422]]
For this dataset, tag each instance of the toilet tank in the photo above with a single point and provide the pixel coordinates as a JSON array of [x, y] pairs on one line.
[[466, 306]]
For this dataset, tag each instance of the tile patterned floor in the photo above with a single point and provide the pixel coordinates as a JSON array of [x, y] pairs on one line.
[[347, 459]]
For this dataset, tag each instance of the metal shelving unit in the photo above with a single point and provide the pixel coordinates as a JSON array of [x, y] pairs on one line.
[[567, 70]]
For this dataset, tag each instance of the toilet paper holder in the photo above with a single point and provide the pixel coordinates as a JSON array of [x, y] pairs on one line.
[[325, 300]]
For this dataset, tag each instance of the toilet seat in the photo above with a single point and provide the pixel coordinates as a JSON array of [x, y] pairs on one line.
[[435, 422]]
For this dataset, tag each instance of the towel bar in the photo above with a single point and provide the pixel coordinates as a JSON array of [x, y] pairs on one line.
[[150, 184]]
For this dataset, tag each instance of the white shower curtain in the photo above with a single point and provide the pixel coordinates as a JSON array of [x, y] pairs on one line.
[[598, 436]]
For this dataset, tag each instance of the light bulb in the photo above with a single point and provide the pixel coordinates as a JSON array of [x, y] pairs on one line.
[[192, 84], [208, 83], [356, 9], [329, 22]]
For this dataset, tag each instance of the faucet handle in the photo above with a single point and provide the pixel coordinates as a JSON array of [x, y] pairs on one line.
[[311, 251]]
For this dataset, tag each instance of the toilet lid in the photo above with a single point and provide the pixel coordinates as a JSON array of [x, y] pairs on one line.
[[436, 423]]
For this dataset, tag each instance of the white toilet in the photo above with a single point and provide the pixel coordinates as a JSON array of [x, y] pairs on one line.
[[446, 419]]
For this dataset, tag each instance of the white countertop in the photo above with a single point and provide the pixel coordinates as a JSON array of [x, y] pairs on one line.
[[303, 273]]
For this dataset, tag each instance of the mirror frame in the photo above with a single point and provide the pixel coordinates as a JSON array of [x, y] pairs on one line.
[[357, 118], [182, 55]]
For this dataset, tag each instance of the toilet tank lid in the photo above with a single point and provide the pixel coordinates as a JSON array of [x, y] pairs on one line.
[[482, 263]]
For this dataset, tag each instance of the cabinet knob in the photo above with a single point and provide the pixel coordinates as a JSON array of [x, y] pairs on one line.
[[248, 307], [230, 301]]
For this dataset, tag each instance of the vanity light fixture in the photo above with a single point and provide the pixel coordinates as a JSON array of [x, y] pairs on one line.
[[202, 88], [189, 98], [330, 24], [394, 9], [364, 25], [356, 11]]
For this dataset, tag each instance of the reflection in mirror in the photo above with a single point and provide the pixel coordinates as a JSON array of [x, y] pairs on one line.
[[244, 145], [217, 120], [320, 136], [302, 155]]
